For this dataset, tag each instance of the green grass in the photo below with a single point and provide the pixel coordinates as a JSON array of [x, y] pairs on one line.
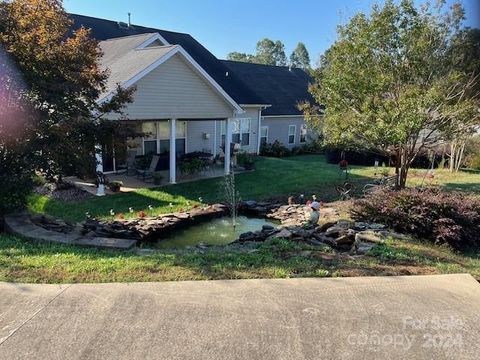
[[307, 174], [28, 262]]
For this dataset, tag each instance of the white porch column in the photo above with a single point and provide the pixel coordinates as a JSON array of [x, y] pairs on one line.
[[99, 169], [173, 150], [228, 141]]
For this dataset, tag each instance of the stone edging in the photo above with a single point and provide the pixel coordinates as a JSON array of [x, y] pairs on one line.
[[20, 224]]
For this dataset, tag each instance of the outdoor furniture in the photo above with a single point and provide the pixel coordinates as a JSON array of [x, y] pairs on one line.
[[148, 173], [384, 182], [345, 190]]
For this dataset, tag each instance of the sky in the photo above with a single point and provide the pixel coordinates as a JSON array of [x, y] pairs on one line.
[[223, 26]]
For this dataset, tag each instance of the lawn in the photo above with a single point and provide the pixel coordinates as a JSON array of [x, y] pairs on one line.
[[24, 261], [273, 178]]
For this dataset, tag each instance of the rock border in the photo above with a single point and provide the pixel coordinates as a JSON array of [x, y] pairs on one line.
[[21, 225]]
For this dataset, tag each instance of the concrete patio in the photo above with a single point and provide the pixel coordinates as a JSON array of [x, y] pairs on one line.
[[415, 317], [133, 182]]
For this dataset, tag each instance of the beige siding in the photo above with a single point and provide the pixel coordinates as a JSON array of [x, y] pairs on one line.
[[278, 129], [174, 89]]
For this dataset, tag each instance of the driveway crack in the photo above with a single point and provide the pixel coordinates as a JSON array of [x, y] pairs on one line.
[[2, 340]]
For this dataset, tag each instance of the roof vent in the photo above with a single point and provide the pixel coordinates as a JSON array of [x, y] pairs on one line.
[[122, 25]]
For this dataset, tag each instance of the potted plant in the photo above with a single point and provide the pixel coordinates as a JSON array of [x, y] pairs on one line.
[[157, 177], [115, 185]]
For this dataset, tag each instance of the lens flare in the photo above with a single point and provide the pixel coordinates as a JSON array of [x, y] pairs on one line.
[[14, 109]]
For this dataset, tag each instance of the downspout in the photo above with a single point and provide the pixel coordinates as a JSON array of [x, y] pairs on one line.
[[259, 136]]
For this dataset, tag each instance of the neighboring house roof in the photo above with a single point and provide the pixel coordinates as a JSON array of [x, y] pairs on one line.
[[106, 29], [128, 60], [279, 86]]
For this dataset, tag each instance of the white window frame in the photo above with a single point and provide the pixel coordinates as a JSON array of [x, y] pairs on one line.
[[300, 134], [261, 128], [294, 134], [239, 120], [158, 139]]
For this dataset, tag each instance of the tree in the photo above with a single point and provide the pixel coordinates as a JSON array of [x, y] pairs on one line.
[[464, 57], [243, 57], [388, 82], [300, 57], [270, 53], [57, 82]]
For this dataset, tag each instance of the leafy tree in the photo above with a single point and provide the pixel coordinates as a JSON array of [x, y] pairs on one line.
[[388, 82], [300, 57], [271, 53], [464, 57], [243, 57], [52, 83]]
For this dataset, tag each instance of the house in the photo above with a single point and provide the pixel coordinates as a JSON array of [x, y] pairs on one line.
[[184, 92]]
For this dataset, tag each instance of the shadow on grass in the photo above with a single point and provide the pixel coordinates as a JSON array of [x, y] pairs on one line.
[[273, 179]]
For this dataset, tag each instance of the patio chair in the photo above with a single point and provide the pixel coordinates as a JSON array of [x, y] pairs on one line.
[[148, 173]]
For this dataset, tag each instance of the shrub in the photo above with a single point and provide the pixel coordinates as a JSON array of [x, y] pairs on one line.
[[245, 159], [442, 217], [191, 166], [276, 149], [15, 180]]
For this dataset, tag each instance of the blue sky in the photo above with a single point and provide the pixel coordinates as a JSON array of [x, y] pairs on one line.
[[227, 25]]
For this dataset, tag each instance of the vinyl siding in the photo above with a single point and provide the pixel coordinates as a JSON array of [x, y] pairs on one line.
[[195, 138], [278, 129], [253, 115], [174, 89]]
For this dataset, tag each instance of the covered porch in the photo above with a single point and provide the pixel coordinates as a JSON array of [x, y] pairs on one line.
[[199, 150]]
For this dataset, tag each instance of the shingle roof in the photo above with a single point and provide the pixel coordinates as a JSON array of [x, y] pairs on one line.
[[106, 29], [124, 61], [279, 86], [245, 83]]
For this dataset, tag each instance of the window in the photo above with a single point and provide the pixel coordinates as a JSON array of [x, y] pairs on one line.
[[263, 135], [240, 131], [292, 129], [149, 130], [303, 133], [162, 130]]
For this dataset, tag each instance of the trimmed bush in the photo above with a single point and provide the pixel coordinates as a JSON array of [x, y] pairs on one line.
[[276, 149], [442, 217]]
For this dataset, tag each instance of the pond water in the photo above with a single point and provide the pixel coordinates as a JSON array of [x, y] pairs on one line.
[[215, 232]]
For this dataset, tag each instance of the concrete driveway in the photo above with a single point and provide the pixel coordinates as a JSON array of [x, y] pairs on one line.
[[421, 317]]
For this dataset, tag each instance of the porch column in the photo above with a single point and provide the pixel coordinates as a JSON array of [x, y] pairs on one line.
[[173, 151], [99, 170], [228, 141]]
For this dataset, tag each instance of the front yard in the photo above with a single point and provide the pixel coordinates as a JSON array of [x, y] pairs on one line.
[[24, 261], [274, 177]]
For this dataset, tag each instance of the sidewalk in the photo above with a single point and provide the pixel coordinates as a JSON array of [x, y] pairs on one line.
[[421, 317]]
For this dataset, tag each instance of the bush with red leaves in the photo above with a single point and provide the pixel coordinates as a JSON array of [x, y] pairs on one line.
[[443, 217]]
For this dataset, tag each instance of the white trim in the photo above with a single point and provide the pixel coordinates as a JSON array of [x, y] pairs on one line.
[[300, 134], [250, 132], [152, 39], [211, 80], [260, 137], [256, 105], [259, 129], [175, 50], [282, 116], [294, 135], [215, 139]]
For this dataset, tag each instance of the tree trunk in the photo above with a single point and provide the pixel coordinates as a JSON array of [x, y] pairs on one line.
[[404, 167]]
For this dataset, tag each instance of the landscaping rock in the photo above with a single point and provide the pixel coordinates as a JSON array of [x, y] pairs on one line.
[[284, 234]]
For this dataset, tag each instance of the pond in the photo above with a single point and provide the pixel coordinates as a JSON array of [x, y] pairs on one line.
[[215, 232]]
